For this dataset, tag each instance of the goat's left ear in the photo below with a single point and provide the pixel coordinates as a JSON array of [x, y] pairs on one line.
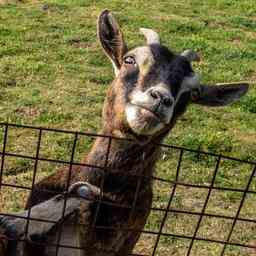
[[111, 39], [219, 95]]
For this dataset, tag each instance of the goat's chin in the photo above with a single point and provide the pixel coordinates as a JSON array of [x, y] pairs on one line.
[[142, 122]]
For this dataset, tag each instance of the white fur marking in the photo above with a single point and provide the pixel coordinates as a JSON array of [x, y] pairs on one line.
[[188, 84], [116, 70], [133, 117]]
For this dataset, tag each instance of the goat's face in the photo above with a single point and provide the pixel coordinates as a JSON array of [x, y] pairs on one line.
[[152, 78], [153, 86]]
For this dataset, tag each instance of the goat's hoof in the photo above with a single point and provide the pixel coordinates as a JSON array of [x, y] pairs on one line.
[[85, 190]]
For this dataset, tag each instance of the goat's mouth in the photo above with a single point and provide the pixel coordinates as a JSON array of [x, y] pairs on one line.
[[150, 112], [142, 120]]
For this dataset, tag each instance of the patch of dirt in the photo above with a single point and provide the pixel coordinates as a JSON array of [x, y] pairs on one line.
[[79, 43], [251, 251], [216, 24], [236, 41], [3, 2], [245, 137], [28, 111]]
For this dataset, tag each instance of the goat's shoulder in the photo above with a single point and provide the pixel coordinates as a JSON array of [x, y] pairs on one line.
[[54, 184]]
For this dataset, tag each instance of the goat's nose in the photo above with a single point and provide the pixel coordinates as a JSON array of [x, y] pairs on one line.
[[161, 97]]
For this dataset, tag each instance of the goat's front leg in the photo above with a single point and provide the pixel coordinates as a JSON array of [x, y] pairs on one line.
[[13, 229]]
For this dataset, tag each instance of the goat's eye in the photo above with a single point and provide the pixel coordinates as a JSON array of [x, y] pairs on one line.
[[129, 60]]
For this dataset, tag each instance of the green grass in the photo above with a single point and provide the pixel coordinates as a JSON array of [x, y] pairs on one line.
[[54, 74]]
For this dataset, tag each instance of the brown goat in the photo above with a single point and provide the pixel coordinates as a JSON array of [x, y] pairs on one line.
[[152, 88]]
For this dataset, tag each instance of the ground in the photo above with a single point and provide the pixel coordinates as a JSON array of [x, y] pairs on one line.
[[54, 74]]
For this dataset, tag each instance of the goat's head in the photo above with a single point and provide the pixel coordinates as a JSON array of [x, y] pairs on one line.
[[153, 86]]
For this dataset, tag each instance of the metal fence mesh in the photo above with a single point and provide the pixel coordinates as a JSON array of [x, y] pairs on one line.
[[204, 203]]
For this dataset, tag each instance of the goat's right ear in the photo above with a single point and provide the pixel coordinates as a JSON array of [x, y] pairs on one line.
[[219, 95], [111, 39]]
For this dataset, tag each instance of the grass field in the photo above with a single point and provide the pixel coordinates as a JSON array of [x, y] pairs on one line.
[[54, 74]]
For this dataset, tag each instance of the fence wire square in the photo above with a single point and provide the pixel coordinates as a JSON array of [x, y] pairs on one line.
[[203, 203]]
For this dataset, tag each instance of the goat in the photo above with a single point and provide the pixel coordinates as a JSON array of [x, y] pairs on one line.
[[152, 88]]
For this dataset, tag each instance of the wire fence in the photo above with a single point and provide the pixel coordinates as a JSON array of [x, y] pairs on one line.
[[203, 204]]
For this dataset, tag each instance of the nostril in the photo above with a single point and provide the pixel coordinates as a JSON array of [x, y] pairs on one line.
[[167, 101], [162, 98]]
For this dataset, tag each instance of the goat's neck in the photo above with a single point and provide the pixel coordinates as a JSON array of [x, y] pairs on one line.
[[122, 158], [121, 155]]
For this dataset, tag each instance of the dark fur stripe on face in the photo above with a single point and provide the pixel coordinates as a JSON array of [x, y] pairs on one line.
[[179, 66], [130, 80]]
